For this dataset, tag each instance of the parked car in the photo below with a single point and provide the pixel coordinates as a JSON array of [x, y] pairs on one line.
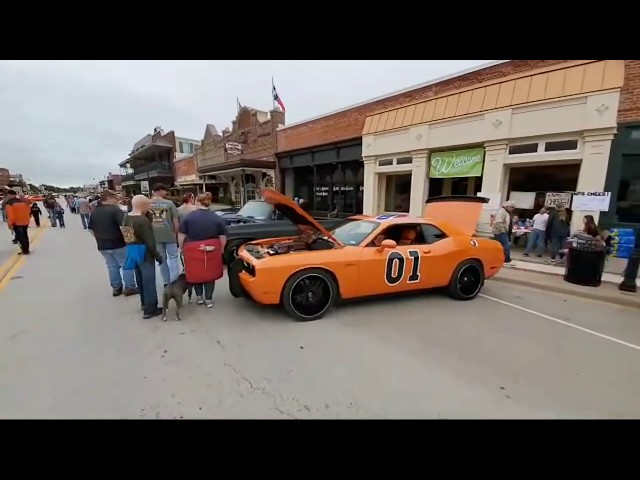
[[369, 256]]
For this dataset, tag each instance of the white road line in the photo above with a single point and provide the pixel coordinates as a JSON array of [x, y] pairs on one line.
[[562, 322]]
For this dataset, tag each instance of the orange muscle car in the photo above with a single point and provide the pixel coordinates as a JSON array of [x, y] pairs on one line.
[[367, 256]]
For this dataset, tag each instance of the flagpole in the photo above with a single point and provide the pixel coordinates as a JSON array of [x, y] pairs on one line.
[[273, 100]]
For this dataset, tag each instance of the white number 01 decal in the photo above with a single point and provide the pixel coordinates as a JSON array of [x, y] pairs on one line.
[[395, 267]]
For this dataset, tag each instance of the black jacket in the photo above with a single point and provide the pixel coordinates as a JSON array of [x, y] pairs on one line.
[[556, 227], [105, 223]]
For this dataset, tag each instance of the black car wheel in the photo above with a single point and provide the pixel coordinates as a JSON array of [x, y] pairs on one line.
[[235, 286], [466, 281], [231, 250], [309, 294]]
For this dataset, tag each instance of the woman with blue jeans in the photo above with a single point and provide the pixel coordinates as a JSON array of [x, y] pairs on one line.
[[559, 230]]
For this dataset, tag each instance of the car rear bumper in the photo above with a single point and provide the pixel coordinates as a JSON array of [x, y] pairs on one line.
[[260, 290]]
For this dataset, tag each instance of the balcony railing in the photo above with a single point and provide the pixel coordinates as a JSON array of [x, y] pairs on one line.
[[128, 178], [154, 169]]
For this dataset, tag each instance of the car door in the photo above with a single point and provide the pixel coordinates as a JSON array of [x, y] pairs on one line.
[[392, 270]]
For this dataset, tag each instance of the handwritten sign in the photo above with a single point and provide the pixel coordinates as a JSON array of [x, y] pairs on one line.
[[591, 201], [557, 199]]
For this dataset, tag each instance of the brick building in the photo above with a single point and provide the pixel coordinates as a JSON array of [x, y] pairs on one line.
[[320, 159], [186, 176], [623, 175], [235, 164]]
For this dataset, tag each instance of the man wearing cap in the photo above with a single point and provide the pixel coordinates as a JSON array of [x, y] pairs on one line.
[[18, 218], [502, 228]]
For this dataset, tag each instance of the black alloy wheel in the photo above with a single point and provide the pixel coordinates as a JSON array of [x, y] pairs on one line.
[[235, 285], [467, 280], [309, 294]]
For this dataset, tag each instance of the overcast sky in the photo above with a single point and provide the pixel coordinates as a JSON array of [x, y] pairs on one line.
[[70, 122]]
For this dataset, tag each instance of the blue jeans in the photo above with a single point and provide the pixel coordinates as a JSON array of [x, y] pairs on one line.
[[537, 239], [115, 261], [557, 244], [84, 217], [503, 238], [170, 268], [146, 280], [52, 217]]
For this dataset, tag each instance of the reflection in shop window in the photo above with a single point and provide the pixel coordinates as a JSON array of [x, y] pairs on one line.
[[397, 193], [628, 204]]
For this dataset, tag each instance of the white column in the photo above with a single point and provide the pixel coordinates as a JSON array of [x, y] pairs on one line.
[[492, 179], [593, 170], [418, 179], [370, 193]]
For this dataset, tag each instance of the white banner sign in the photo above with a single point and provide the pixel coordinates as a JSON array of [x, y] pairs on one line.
[[523, 200], [144, 187], [557, 199], [591, 201]]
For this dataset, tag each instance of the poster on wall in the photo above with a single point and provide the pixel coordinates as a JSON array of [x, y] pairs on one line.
[[144, 187], [459, 163], [591, 201], [523, 200], [494, 200], [557, 199]]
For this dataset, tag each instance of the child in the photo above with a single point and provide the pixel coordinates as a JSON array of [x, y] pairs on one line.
[[35, 213], [58, 211]]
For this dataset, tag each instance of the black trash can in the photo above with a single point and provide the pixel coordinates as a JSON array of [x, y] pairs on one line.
[[586, 257]]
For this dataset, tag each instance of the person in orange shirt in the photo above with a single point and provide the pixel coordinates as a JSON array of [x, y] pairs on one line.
[[18, 218]]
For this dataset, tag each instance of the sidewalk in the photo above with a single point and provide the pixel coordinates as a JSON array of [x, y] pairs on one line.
[[539, 265], [614, 266], [552, 282]]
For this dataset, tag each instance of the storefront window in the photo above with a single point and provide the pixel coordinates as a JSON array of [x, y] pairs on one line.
[[397, 193], [628, 204], [322, 189], [303, 183]]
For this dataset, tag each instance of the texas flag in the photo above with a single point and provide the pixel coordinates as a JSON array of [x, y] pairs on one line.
[[276, 97]]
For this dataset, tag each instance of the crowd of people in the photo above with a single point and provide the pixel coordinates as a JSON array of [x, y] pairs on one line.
[[155, 231], [550, 227]]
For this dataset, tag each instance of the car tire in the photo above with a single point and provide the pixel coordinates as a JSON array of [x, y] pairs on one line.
[[231, 250], [309, 294], [235, 285], [467, 280]]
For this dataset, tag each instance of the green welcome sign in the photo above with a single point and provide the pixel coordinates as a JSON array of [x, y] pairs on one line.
[[460, 163]]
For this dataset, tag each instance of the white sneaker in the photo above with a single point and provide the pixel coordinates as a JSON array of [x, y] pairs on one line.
[[209, 303], [199, 301]]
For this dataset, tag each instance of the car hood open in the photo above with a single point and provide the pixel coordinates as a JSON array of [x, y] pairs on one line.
[[461, 211], [292, 211]]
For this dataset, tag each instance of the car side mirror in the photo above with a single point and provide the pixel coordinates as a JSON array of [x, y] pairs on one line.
[[387, 244]]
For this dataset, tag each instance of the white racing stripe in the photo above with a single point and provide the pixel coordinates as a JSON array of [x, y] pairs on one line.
[[561, 322]]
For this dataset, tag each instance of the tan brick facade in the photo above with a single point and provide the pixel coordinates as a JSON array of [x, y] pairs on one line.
[[629, 109], [348, 124]]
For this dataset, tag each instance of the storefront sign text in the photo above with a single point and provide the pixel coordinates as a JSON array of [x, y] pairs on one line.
[[461, 163], [557, 199], [321, 191], [591, 201]]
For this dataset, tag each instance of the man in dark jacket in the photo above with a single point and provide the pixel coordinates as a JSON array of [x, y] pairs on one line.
[[104, 224], [50, 204]]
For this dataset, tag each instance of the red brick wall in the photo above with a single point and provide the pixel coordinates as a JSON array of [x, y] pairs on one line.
[[629, 108], [184, 167], [349, 124]]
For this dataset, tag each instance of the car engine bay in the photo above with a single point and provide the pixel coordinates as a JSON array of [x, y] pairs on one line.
[[288, 246]]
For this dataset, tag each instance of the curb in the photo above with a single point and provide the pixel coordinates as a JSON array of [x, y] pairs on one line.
[[625, 300]]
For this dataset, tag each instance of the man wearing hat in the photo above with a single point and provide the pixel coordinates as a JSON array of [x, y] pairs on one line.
[[502, 226]]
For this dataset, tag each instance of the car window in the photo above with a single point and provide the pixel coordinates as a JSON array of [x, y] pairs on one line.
[[432, 234], [403, 234], [354, 233], [256, 209]]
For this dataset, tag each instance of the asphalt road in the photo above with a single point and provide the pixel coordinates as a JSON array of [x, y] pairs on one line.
[[70, 350]]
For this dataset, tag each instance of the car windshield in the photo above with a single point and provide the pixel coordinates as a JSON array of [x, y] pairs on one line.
[[256, 209], [353, 233]]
